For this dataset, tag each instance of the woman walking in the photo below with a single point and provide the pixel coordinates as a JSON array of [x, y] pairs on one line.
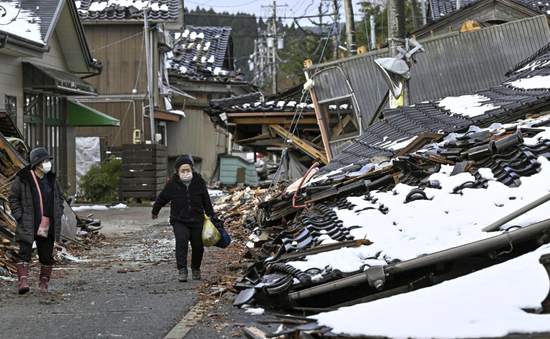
[[190, 201], [36, 202]]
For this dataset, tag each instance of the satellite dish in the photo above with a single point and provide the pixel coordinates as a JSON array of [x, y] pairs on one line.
[[395, 72]]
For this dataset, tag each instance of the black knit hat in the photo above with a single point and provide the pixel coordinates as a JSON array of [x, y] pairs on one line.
[[182, 160], [38, 155]]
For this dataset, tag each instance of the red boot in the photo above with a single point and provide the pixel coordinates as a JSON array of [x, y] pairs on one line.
[[22, 271], [45, 274]]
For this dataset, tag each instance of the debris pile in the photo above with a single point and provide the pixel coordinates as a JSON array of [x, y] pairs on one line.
[[348, 213], [86, 228]]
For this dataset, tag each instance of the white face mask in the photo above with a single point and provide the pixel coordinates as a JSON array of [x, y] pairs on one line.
[[186, 176], [46, 167]]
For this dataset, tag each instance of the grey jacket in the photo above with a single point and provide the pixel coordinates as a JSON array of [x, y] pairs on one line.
[[22, 207]]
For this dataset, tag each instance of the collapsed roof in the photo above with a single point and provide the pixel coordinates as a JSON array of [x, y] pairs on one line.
[[387, 222]]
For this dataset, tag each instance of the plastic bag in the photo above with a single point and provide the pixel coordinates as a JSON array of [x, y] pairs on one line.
[[225, 238], [210, 235]]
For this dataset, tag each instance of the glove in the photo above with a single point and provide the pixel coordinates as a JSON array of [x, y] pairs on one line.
[[216, 221]]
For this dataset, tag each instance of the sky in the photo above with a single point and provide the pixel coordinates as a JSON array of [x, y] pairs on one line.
[[290, 8]]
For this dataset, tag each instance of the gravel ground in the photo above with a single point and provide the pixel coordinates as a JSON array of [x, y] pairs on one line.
[[126, 287]]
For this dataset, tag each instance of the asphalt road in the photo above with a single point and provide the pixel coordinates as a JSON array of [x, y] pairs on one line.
[[126, 287]]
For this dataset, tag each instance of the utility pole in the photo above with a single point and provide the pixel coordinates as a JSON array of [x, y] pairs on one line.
[[149, 74], [266, 47], [335, 33], [372, 32], [256, 60], [414, 10], [396, 30], [350, 28], [274, 49], [424, 19]]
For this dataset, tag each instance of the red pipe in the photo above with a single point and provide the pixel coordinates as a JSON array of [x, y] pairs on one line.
[[300, 186]]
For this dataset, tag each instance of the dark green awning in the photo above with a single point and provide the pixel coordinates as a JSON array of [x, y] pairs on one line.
[[82, 115]]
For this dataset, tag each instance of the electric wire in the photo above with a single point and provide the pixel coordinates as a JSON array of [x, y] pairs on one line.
[[227, 6], [131, 98], [301, 108]]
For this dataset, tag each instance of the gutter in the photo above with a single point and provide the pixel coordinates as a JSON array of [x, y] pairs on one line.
[[22, 42]]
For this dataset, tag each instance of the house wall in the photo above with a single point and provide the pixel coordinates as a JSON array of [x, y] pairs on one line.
[[195, 134], [11, 73], [125, 65], [11, 83]]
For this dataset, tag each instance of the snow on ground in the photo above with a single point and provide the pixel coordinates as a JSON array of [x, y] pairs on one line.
[[487, 303], [91, 207], [119, 206], [215, 193], [468, 105]]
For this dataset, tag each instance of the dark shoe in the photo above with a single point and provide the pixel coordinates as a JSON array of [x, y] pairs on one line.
[[196, 274], [45, 275], [182, 276], [22, 271]]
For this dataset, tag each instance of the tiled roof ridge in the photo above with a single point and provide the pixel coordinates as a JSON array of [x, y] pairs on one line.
[[126, 10], [544, 50]]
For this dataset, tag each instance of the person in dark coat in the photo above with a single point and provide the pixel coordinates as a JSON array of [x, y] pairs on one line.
[[190, 201], [24, 201]]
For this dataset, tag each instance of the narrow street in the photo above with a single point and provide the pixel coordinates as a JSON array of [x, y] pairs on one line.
[[125, 287]]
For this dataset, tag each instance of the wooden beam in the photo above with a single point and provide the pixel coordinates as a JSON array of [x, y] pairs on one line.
[[301, 144], [267, 114], [259, 121], [340, 127], [324, 132], [258, 137]]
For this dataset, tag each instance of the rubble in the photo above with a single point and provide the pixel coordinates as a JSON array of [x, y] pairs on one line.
[[287, 238], [85, 228]]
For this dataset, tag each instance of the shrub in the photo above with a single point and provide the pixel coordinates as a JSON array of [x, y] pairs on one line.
[[101, 182]]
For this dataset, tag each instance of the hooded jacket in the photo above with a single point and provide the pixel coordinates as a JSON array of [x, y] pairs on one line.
[[189, 204], [22, 195]]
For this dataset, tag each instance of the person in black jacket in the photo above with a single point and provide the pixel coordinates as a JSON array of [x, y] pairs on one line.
[[25, 207], [190, 201]]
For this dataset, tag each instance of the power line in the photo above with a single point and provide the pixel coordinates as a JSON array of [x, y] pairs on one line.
[[228, 6]]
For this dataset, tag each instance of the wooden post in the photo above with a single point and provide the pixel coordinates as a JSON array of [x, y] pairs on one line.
[[324, 132]]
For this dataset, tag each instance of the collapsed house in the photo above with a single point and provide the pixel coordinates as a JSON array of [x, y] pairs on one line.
[[429, 193]]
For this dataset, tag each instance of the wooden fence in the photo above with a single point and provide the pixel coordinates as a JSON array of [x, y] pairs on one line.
[[143, 170]]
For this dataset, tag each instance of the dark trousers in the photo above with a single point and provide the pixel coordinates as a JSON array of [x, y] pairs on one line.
[[185, 234], [44, 247]]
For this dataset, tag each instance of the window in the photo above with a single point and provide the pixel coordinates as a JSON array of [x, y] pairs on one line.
[[11, 107], [161, 129], [340, 118]]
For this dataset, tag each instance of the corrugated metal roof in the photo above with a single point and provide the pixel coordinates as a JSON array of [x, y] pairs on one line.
[[508, 102], [452, 65]]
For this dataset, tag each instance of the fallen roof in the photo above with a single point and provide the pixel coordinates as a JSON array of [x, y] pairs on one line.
[[520, 94]]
